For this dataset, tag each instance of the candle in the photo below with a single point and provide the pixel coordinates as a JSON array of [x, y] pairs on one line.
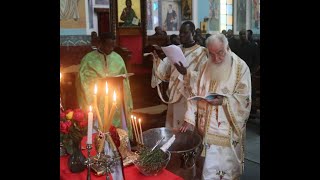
[[112, 111], [95, 105], [90, 119], [140, 131], [134, 128], [106, 105]]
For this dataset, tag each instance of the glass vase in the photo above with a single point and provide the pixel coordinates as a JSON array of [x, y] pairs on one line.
[[76, 159]]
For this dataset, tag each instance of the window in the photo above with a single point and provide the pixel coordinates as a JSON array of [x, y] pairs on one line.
[[226, 19]]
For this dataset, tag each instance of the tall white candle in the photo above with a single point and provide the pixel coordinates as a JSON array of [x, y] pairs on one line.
[[90, 122], [95, 106], [112, 111], [106, 106], [134, 128], [140, 131]]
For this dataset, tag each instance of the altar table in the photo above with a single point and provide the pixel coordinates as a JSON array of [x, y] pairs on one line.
[[130, 172]]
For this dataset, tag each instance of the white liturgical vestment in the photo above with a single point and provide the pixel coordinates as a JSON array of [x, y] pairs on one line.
[[165, 71], [222, 127]]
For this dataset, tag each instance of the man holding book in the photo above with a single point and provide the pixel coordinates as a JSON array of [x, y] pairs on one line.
[[166, 70], [100, 63], [221, 120]]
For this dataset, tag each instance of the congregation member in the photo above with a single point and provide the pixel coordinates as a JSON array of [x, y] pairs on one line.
[[233, 42], [248, 51]]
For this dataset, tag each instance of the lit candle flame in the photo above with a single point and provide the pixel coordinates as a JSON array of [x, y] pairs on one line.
[[60, 76], [131, 116], [90, 108], [95, 89], [107, 89], [135, 118], [139, 120], [114, 96]]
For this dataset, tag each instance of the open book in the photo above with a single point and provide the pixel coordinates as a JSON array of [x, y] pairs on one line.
[[207, 97], [135, 21], [175, 54], [121, 75]]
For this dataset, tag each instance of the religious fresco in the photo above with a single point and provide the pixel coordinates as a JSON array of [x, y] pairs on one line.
[[129, 17], [69, 9], [170, 15], [186, 9], [72, 14], [241, 15], [214, 15], [255, 16]]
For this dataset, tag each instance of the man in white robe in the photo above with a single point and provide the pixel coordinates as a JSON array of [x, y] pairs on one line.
[[163, 70], [221, 121]]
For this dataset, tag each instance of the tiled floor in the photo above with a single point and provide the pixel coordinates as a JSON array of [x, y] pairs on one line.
[[252, 156]]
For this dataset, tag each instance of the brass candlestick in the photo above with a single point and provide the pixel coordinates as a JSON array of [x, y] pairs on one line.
[[88, 162]]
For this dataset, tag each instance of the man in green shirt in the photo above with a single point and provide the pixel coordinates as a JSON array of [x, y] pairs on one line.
[[98, 64]]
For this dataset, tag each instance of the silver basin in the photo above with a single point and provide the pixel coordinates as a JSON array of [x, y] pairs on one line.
[[185, 142], [184, 151]]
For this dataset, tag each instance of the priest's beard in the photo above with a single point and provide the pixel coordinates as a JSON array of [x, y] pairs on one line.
[[221, 71]]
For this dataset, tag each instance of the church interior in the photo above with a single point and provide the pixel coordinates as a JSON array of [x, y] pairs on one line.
[[138, 29]]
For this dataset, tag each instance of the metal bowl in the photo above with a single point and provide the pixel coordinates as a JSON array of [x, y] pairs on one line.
[[184, 151], [185, 142], [152, 169]]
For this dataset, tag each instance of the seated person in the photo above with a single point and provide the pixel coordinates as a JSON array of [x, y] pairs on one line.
[[101, 63]]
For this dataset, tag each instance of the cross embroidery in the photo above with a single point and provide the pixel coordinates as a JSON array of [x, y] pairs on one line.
[[221, 174]]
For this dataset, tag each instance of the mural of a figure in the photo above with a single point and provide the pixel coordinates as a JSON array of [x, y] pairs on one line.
[[241, 14], [171, 19], [128, 14], [69, 10], [186, 15], [214, 19], [214, 9], [149, 15], [256, 13]]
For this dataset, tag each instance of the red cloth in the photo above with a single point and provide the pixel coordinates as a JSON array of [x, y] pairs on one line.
[[130, 172]]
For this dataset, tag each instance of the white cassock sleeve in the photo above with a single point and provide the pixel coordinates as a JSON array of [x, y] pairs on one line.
[[191, 81], [160, 72], [238, 105]]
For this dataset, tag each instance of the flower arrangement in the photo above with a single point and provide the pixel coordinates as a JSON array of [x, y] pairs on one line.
[[73, 126]]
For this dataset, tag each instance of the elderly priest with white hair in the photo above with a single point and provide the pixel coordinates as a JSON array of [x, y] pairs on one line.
[[222, 120]]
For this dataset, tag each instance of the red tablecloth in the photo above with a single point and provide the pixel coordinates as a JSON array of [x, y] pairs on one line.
[[130, 172]]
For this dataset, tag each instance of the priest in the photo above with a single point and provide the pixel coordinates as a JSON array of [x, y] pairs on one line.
[[98, 64], [221, 121], [163, 70]]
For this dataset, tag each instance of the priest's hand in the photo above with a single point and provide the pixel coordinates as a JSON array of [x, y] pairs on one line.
[[185, 126], [216, 101], [182, 70]]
